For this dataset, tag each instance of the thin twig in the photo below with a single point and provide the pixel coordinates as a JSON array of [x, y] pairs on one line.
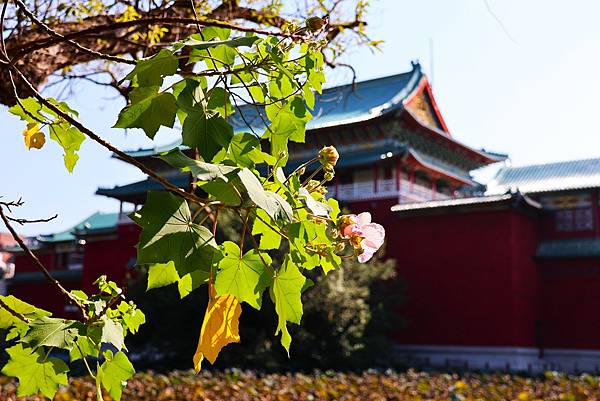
[[13, 312], [30, 221]]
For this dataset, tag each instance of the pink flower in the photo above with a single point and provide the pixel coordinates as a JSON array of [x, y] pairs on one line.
[[372, 234]]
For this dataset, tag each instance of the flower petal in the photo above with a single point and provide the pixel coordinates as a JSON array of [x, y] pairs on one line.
[[374, 235], [364, 218]]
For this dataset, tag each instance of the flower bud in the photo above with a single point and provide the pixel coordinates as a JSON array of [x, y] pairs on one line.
[[315, 23], [340, 246], [312, 185], [328, 156], [332, 232], [302, 171], [281, 154], [328, 176]]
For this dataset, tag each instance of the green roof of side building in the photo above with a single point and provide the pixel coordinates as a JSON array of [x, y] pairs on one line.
[[549, 177], [96, 223]]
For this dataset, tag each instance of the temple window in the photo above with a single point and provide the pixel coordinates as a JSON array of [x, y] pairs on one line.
[[580, 219], [69, 260]]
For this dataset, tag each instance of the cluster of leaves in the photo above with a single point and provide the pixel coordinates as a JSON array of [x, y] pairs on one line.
[[41, 121], [388, 385], [208, 82], [37, 335]]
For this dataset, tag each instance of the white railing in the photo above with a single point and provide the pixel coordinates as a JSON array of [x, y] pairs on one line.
[[368, 190]]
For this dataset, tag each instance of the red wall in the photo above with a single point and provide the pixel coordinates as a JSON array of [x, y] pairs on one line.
[[470, 278], [110, 257], [42, 295], [571, 303]]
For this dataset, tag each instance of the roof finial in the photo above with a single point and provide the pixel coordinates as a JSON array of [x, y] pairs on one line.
[[415, 64]]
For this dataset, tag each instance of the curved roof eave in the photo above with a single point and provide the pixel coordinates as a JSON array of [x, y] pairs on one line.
[[448, 174], [482, 155]]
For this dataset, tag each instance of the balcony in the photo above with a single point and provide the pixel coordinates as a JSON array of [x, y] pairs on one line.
[[385, 189]]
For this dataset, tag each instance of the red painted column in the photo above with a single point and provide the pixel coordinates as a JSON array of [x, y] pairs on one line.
[[596, 210], [411, 179], [433, 187], [398, 174], [399, 180], [375, 177]]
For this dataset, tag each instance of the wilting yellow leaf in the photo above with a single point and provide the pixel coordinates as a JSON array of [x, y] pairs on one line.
[[219, 328], [34, 138]]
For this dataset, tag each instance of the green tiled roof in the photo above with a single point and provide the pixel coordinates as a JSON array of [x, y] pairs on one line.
[[561, 176], [94, 223], [569, 248]]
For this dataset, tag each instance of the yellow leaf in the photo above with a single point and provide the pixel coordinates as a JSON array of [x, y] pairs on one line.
[[34, 138], [219, 328]]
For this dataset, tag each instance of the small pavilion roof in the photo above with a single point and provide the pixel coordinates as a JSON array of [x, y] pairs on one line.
[[549, 177]]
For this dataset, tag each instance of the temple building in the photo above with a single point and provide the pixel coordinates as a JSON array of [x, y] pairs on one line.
[[500, 276], [513, 276], [395, 146]]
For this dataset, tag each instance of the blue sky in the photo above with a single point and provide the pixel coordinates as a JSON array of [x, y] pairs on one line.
[[535, 98]]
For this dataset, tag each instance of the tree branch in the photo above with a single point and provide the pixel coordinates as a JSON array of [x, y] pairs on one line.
[[41, 266]]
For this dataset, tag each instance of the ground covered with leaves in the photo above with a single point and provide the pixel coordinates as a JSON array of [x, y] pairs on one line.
[[369, 385]]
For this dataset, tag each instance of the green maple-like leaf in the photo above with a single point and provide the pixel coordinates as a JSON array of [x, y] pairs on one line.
[[51, 332], [114, 373], [87, 345], [199, 169], [244, 149], [269, 239], [36, 372], [168, 234], [245, 277], [270, 202], [316, 207], [70, 139], [149, 114], [285, 293], [191, 281], [288, 123], [161, 275], [208, 133], [23, 308], [112, 333], [150, 71]]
